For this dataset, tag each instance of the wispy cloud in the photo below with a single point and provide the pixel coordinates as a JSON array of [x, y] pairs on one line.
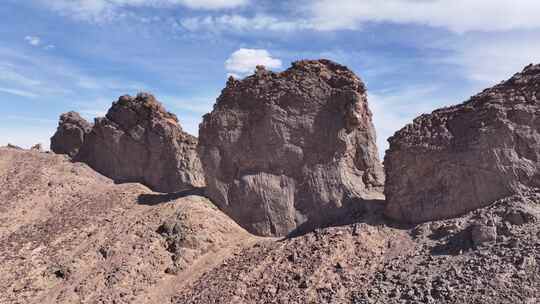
[[93, 83], [209, 4], [457, 15], [244, 61], [47, 75], [394, 108], [9, 74], [235, 22], [489, 60], [195, 105], [108, 10], [18, 92], [33, 40]]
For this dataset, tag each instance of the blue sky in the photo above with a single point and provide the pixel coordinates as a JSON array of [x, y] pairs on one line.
[[415, 56]]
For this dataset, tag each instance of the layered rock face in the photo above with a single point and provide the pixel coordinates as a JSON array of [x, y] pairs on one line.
[[460, 158], [70, 134], [291, 150], [139, 141]]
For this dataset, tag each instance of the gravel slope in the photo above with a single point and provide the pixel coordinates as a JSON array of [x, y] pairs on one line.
[[70, 235]]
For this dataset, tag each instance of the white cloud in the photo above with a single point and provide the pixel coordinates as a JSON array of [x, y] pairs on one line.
[[244, 61], [212, 4], [235, 22], [456, 15], [107, 10], [33, 40], [329, 15]]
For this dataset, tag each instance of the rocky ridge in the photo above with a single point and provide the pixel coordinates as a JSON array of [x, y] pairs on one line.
[[139, 141], [68, 234], [374, 261], [71, 235], [463, 157]]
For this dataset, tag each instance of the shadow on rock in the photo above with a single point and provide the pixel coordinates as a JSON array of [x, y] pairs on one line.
[[454, 244], [159, 198], [354, 211]]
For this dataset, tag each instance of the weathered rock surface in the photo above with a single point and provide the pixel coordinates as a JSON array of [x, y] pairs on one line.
[[463, 157], [70, 134], [139, 141], [291, 150]]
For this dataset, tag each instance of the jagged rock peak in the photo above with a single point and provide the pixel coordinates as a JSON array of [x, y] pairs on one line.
[[463, 157], [139, 141], [291, 150], [334, 74], [144, 107]]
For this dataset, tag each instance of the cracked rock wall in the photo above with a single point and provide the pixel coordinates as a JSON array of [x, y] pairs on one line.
[[463, 157], [292, 150]]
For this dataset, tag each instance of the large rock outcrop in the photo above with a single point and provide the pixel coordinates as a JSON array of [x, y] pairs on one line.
[[139, 141], [292, 150], [70, 134], [460, 158]]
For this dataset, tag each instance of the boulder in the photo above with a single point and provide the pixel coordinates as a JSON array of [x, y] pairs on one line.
[[37, 147], [139, 141], [291, 151], [482, 234], [464, 157], [70, 134]]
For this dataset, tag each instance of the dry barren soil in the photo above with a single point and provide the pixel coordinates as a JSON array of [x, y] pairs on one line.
[[70, 235]]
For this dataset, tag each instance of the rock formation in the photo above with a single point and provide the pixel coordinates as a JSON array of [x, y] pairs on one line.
[[291, 150], [70, 134], [139, 141], [460, 158], [37, 147]]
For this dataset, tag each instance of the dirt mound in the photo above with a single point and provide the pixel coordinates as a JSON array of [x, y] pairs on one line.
[[70, 235]]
